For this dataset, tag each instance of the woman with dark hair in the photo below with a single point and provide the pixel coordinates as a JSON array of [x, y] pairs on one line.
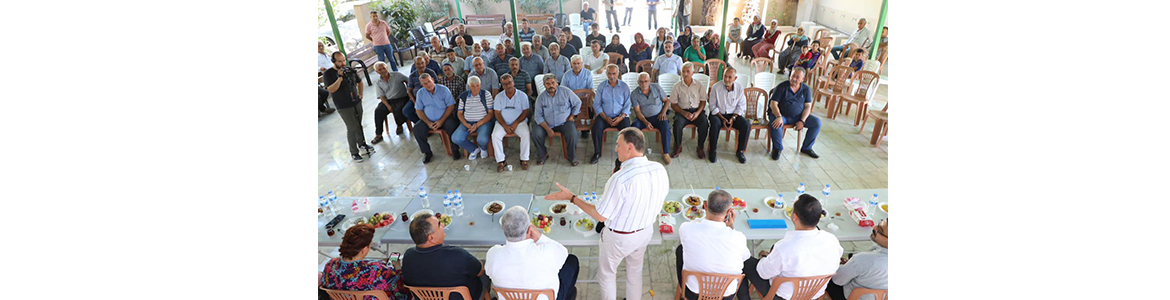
[[684, 39], [710, 43], [639, 51], [351, 272], [755, 33], [615, 46]]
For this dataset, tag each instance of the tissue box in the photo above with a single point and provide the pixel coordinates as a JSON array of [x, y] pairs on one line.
[[856, 209], [666, 223]]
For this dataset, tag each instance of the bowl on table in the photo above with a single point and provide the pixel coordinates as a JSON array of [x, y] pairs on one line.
[[672, 207], [692, 200]]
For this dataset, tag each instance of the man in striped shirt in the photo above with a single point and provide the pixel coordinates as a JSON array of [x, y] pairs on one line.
[[629, 205]]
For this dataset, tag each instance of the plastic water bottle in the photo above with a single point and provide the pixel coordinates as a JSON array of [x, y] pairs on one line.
[[873, 203], [800, 189], [780, 198], [422, 197], [594, 197], [447, 208], [826, 190], [458, 194], [458, 205], [333, 200]]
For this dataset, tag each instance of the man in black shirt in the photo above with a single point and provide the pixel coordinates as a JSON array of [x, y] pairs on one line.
[[349, 105], [594, 36], [460, 31], [431, 264], [572, 39], [587, 17]]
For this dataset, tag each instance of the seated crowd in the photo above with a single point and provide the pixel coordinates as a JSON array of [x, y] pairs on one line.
[[529, 260]]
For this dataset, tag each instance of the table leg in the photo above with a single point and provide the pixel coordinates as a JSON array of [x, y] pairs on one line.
[[877, 131]]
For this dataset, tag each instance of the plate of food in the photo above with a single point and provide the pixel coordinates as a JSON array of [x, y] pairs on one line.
[[559, 208], [885, 207], [738, 203], [444, 219], [692, 199], [584, 225], [543, 222], [672, 207], [493, 207], [694, 212], [382, 219], [774, 203]]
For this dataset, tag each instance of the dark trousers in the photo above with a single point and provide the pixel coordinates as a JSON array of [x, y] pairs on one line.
[[750, 274], [420, 135], [739, 124], [835, 291], [743, 293], [812, 124], [663, 127], [629, 13], [653, 21], [382, 111], [611, 18], [322, 99], [599, 126], [354, 135], [568, 276], [567, 130], [700, 122]]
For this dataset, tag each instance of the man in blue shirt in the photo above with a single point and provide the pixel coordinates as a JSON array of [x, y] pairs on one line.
[[434, 107], [649, 102], [413, 84], [667, 63], [577, 78], [612, 105], [792, 102], [556, 64], [556, 110]]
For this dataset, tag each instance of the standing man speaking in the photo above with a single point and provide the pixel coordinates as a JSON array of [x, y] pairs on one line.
[[630, 202]]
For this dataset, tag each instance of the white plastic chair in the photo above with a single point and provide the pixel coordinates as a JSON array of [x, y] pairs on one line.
[[765, 81], [597, 80], [667, 82], [575, 19], [631, 80], [703, 79], [872, 65], [539, 81], [745, 82]]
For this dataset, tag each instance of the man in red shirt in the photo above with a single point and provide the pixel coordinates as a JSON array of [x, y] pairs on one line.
[[379, 32]]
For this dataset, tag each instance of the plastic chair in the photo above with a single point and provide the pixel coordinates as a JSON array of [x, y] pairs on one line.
[[631, 79], [803, 288], [834, 84], [438, 293], [758, 63], [881, 123], [860, 291], [518, 294], [539, 82], [765, 81], [704, 79], [356, 295], [597, 80], [863, 86], [444, 136], [409, 125], [753, 96], [713, 66], [644, 66], [711, 285], [575, 19], [667, 82], [823, 33]]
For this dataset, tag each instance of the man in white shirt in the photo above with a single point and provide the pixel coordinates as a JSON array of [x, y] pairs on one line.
[[511, 109], [860, 38], [713, 246], [530, 260], [865, 270], [728, 104], [804, 252], [628, 207]]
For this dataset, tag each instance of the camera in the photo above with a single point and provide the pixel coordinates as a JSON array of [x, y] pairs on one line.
[[350, 75]]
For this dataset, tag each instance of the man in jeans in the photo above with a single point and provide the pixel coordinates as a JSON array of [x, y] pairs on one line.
[[379, 32], [611, 18], [862, 37], [653, 6]]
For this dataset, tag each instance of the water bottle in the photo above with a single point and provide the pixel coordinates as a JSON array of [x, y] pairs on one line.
[[458, 205], [458, 194], [594, 196], [422, 197], [447, 208], [826, 191], [333, 201], [800, 189], [873, 203], [324, 205]]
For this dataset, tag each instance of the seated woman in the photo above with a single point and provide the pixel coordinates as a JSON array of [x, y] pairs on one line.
[[615, 46], [695, 52], [794, 44], [711, 45], [684, 39], [351, 272], [755, 33], [768, 42], [639, 51], [791, 58]]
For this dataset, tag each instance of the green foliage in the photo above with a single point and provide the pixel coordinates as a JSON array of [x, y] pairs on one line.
[[435, 10], [322, 16], [536, 6], [481, 6], [402, 16]]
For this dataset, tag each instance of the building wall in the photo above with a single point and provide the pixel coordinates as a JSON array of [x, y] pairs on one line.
[[842, 15]]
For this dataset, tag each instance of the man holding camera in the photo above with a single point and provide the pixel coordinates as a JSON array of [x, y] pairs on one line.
[[340, 81]]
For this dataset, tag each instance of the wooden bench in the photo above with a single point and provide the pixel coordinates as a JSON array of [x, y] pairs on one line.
[[485, 24], [366, 54], [534, 18]]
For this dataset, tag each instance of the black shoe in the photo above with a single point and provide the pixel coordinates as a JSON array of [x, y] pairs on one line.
[[810, 153], [711, 156], [596, 157], [456, 154], [739, 156], [775, 154], [377, 139], [427, 158], [357, 158], [369, 149]]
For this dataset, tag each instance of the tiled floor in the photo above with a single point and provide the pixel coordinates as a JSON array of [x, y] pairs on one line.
[[847, 162]]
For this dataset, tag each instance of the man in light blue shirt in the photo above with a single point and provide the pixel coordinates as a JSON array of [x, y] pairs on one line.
[[612, 105], [556, 63], [531, 63], [511, 109], [487, 77], [556, 110], [667, 63], [434, 107], [576, 78], [649, 102]]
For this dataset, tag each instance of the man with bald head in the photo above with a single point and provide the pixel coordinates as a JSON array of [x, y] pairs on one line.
[[790, 103], [488, 78]]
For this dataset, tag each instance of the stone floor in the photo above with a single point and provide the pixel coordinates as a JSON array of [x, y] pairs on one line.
[[847, 162]]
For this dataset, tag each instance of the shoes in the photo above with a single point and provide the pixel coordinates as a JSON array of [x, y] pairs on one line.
[[474, 154], [398, 131], [369, 149], [702, 155], [676, 152], [500, 167], [357, 157], [377, 139], [739, 156], [712, 157], [666, 159], [810, 153], [596, 157], [575, 163], [524, 165], [542, 160], [427, 158], [775, 154]]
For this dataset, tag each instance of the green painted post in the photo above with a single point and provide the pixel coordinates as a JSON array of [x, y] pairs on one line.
[[562, 4], [877, 34], [723, 34], [515, 28], [459, 10], [336, 33]]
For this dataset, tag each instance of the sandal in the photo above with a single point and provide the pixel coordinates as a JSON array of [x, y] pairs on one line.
[[500, 167], [524, 165]]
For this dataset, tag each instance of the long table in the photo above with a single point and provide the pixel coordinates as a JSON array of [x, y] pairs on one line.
[[569, 236], [486, 231], [377, 204]]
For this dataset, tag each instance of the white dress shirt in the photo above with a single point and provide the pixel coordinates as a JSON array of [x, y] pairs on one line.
[[526, 265], [862, 37], [725, 102], [802, 253], [634, 195], [712, 247], [323, 61]]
